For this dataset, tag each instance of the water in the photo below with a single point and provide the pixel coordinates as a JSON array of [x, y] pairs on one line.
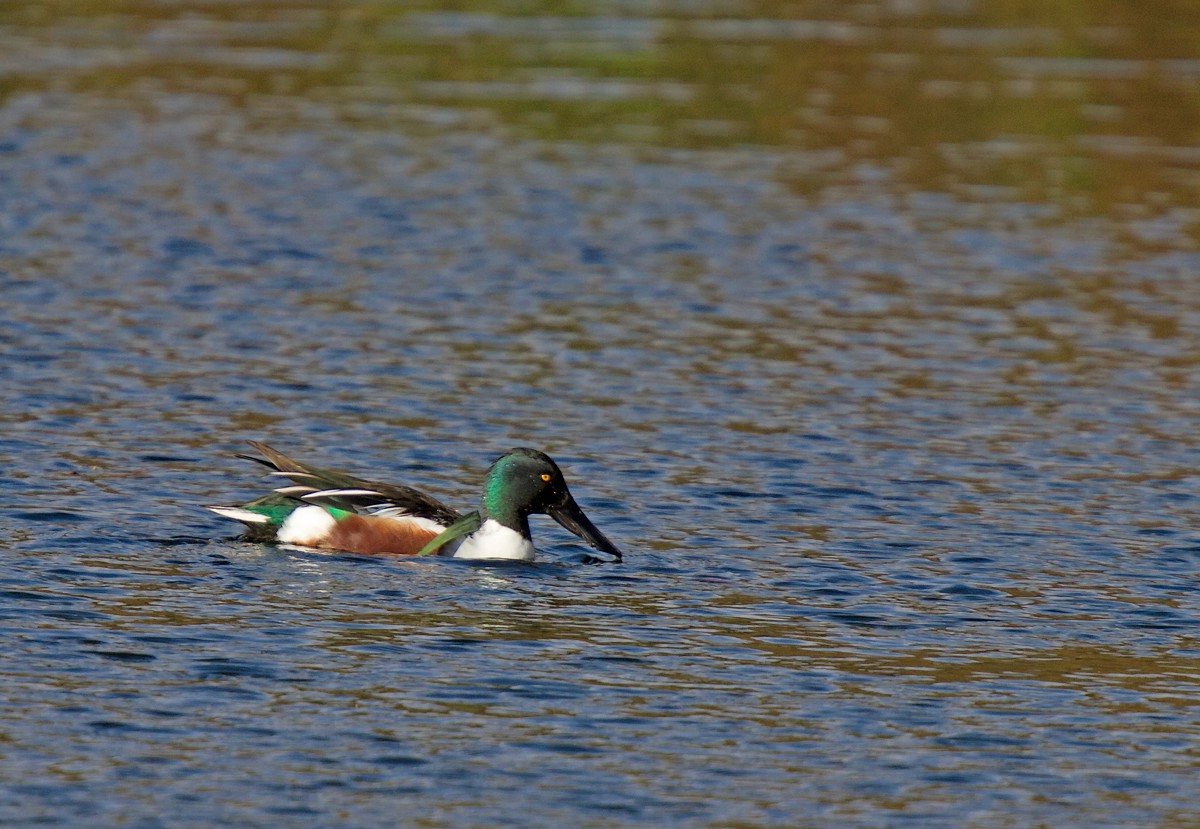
[[870, 334]]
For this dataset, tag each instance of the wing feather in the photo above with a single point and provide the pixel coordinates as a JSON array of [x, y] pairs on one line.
[[330, 488]]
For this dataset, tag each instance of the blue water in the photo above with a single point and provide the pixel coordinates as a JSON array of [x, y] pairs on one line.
[[906, 481]]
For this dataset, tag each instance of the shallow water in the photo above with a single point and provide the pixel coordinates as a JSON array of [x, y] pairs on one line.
[[871, 336]]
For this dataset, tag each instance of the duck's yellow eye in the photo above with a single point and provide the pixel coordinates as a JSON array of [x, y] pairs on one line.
[[545, 476]]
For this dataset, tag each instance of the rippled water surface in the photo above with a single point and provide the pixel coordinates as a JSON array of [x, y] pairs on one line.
[[870, 332]]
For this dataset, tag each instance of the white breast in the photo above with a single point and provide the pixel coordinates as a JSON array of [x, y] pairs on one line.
[[494, 540]]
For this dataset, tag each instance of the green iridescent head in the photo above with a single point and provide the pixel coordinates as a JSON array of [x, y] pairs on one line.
[[525, 481]]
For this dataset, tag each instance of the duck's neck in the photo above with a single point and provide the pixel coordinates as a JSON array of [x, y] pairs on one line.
[[513, 520], [496, 507]]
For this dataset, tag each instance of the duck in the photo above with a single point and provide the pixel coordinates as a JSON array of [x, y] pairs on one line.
[[333, 511]]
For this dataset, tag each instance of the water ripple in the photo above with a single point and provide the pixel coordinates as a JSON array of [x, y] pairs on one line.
[[905, 476]]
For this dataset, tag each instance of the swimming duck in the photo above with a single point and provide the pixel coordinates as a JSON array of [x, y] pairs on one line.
[[334, 511]]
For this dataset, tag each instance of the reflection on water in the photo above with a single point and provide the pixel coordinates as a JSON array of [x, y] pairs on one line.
[[870, 330], [1085, 108]]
